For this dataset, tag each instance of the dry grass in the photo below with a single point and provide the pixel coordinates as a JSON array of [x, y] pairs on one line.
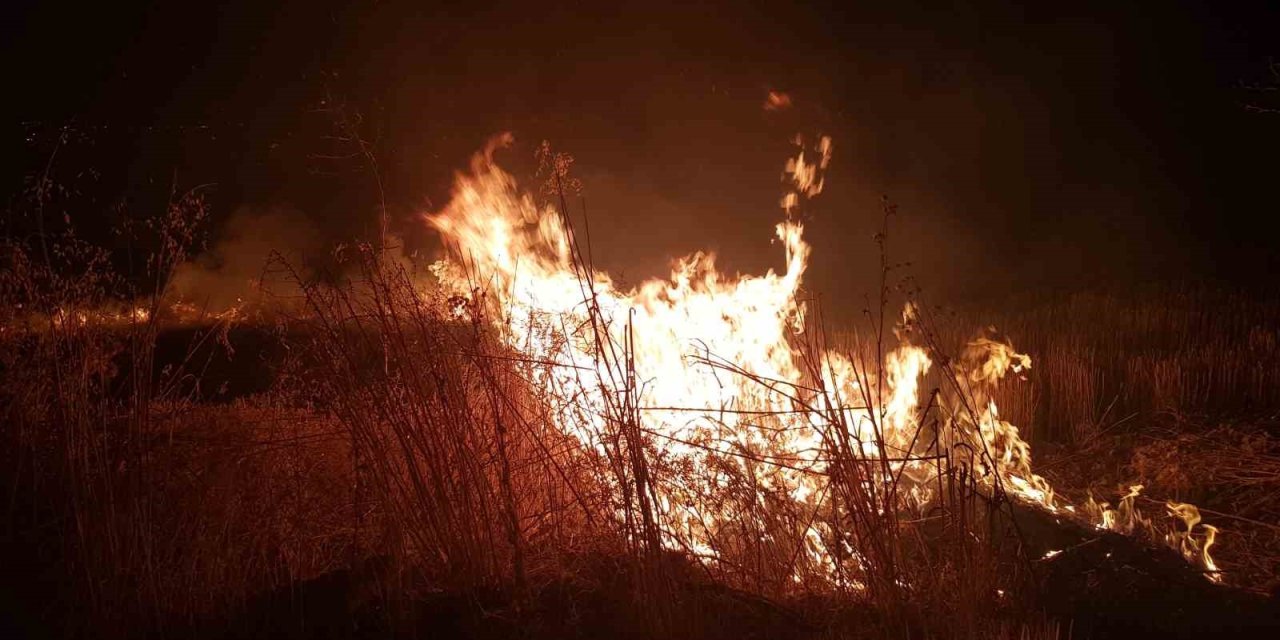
[[412, 433], [474, 482], [152, 509], [1227, 468], [1103, 360], [1174, 389], [458, 449]]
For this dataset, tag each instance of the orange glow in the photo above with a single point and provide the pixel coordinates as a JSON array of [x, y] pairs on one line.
[[777, 101], [712, 370]]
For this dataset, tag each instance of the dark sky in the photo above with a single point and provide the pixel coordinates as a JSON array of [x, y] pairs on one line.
[[1026, 148]]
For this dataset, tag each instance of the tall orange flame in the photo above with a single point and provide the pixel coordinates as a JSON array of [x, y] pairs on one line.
[[708, 364]]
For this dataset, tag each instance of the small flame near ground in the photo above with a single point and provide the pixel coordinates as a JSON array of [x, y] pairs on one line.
[[777, 101]]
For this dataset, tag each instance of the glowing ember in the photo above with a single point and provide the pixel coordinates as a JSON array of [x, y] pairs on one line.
[[777, 101]]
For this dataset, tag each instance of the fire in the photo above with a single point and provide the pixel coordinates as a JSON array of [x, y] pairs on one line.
[[1195, 551], [713, 378], [777, 101], [115, 316]]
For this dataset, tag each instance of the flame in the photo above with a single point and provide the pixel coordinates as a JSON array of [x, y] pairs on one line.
[[116, 316], [1194, 550], [711, 370], [777, 101]]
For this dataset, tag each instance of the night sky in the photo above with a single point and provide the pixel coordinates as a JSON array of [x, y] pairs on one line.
[[1056, 149]]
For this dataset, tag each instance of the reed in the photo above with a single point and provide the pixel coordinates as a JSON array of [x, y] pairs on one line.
[[1104, 360]]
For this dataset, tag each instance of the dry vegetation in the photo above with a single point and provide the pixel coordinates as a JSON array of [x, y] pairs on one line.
[[405, 475], [1175, 389], [1103, 359]]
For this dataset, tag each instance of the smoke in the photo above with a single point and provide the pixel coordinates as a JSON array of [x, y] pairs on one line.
[[238, 267]]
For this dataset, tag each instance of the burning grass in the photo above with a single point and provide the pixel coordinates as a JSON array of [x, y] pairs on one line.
[[509, 431], [1228, 470], [479, 485], [1171, 388], [1107, 360]]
